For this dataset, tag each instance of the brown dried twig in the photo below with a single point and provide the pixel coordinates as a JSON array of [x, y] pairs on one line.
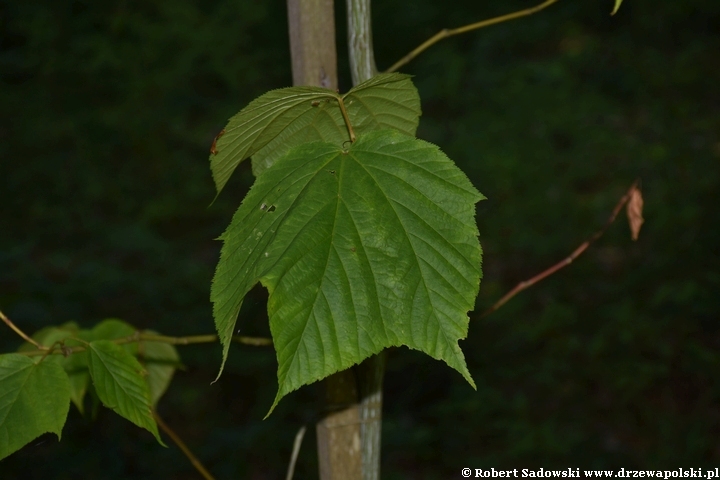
[[181, 445], [632, 198]]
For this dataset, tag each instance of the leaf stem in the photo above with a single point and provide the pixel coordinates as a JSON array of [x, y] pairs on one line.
[[25, 337], [178, 441], [341, 103], [445, 33], [567, 260], [147, 337], [295, 451]]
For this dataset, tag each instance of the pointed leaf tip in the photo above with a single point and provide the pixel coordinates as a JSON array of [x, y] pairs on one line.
[[119, 383]]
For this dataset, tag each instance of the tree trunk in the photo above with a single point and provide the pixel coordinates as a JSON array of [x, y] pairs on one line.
[[312, 43], [314, 62]]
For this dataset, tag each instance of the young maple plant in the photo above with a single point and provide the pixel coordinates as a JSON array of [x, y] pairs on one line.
[[363, 235]]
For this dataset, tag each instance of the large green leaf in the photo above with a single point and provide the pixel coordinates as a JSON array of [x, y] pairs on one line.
[[34, 399], [360, 250], [119, 383], [281, 119]]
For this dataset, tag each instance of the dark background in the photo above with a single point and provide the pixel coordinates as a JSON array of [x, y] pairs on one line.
[[108, 112]]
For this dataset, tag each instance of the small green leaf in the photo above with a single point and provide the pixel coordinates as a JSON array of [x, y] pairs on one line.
[[119, 383], [112, 329], [160, 361], [281, 119], [617, 7], [79, 382], [360, 250], [34, 399]]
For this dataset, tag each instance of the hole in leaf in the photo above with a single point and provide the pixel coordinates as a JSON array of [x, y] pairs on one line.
[[271, 208]]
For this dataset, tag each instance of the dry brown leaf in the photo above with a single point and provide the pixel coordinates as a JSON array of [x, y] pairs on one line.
[[634, 212]]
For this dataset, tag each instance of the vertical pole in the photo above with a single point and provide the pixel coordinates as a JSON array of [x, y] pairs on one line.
[[314, 62], [338, 433], [312, 43], [370, 379], [360, 45], [371, 372]]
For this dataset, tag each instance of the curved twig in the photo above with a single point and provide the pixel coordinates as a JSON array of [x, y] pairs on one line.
[[24, 336], [567, 260], [445, 33], [181, 445], [295, 451]]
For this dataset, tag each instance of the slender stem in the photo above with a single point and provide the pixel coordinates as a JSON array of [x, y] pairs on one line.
[[147, 337], [295, 451], [15, 329], [567, 260], [178, 441], [341, 103], [445, 33]]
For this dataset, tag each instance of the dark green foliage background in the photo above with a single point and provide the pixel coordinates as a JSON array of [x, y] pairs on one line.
[[108, 112]]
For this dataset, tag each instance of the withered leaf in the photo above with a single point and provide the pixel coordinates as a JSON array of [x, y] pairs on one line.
[[634, 210]]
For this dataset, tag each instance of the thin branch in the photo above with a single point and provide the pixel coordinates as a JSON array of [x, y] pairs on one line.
[[147, 337], [178, 441], [568, 260], [295, 451], [445, 33], [25, 337]]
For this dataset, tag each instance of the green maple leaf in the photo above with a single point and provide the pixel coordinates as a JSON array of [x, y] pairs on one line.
[[360, 250]]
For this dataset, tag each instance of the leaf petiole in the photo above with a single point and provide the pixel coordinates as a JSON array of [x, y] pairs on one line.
[[341, 104]]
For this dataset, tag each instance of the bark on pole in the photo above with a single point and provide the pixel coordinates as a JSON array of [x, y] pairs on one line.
[[312, 43], [371, 372], [314, 62]]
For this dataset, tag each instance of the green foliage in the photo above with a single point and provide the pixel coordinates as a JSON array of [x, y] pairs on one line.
[[119, 383], [38, 385], [611, 362], [360, 249], [35, 399], [279, 120]]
